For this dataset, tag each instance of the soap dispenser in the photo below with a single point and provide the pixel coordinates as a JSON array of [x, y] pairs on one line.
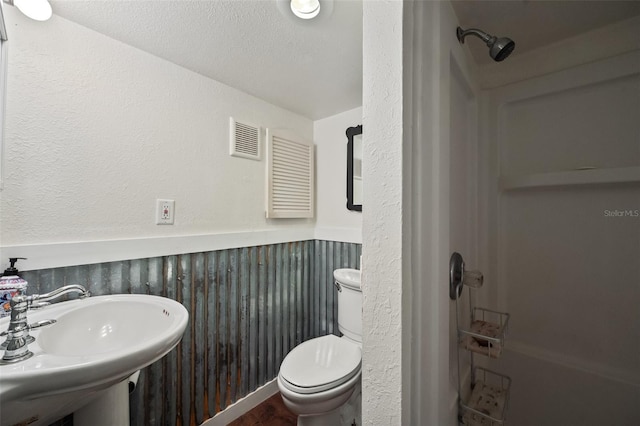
[[11, 284]]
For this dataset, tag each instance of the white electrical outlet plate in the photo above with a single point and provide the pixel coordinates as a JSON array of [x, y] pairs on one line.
[[165, 212]]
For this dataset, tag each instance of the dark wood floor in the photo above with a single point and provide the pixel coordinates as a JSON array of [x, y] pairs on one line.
[[271, 412]]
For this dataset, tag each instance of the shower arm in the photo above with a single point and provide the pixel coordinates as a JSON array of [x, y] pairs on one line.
[[488, 39]]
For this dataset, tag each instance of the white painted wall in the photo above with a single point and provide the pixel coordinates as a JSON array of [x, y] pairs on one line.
[[410, 56], [385, 377], [444, 204], [567, 271], [97, 130], [333, 219]]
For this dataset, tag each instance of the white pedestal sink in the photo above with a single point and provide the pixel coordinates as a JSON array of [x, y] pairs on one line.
[[109, 409], [96, 343]]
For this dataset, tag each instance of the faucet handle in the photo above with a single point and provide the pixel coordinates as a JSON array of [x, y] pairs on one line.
[[38, 324], [39, 305], [42, 323]]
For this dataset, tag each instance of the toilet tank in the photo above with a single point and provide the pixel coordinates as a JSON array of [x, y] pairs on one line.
[[349, 303]]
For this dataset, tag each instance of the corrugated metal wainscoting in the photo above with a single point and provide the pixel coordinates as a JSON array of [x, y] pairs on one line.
[[248, 308]]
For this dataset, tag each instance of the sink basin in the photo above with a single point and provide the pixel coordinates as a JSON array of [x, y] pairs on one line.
[[112, 325], [95, 343], [349, 277]]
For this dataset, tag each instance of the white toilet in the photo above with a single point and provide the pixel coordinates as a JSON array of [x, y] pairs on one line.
[[318, 376]]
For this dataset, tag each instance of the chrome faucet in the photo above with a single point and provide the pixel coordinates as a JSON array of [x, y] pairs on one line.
[[17, 344]]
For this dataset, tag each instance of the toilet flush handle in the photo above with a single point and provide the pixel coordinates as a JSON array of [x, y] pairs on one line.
[[337, 284]]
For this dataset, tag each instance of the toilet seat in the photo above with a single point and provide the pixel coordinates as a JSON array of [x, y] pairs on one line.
[[320, 364]]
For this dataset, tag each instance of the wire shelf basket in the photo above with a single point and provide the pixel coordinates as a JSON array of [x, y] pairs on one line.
[[487, 404], [486, 333]]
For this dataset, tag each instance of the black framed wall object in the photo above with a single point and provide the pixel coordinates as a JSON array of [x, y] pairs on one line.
[[354, 168]]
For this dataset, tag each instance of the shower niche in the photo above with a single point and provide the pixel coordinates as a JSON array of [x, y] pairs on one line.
[[483, 393]]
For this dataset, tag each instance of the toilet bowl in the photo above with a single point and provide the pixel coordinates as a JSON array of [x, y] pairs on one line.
[[320, 375]]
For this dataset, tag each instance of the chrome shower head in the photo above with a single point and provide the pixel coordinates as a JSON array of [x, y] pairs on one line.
[[499, 48]]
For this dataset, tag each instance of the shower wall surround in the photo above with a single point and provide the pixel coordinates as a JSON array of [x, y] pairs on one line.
[[568, 149], [248, 307]]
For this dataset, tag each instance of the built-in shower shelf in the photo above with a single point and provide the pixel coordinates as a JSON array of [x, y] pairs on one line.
[[487, 404], [486, 332], [571, 177]]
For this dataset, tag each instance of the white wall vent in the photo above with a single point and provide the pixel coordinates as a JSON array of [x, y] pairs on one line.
[[244, 140], [290, 176]]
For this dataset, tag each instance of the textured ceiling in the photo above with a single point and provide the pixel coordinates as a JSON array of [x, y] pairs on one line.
[[313, 67]]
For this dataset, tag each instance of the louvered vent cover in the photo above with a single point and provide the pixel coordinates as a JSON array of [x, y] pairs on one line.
[[290, 176], [245, 140]]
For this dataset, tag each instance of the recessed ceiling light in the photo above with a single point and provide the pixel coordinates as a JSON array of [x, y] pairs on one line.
[[305, 9]]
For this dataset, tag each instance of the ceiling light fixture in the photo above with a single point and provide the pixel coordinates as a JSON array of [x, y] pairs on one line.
[[306, 13], [305, 9], [39, 10]]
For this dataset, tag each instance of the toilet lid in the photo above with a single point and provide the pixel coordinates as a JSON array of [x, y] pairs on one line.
[[320, 364]]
